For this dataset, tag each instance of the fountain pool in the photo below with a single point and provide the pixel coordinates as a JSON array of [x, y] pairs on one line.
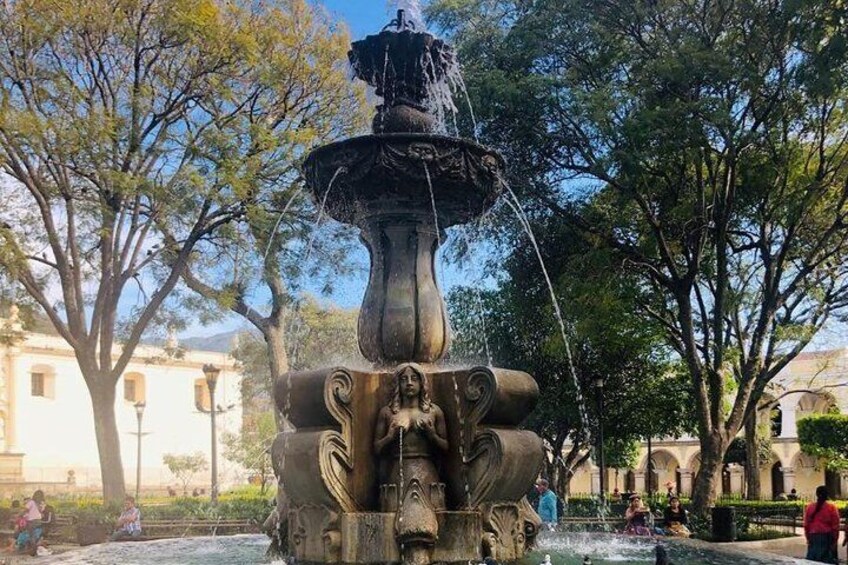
[[564, 549]]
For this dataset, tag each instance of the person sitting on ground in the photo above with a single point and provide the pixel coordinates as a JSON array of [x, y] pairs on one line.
[[28, 539], [547, 504], [676, 519], [793, 495], [637, 515], [821, 528], [129, 523], [616, 495], [48, 517], [16, 522]]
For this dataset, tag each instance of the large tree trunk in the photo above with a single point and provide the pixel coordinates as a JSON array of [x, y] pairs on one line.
[[709, 473], [278, 359], [108, 444], [752, 454]]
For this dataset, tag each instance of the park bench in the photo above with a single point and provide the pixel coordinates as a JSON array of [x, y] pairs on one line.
[[158, 529], [87, 534]]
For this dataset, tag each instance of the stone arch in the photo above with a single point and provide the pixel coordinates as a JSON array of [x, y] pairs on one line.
[[694, 463], [803, 461], [815, 403], [665, 467]]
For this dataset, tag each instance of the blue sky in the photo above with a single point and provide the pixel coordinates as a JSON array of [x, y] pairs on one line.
[[363, 16]]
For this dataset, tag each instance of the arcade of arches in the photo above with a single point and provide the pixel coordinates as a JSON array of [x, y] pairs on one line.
[[676, 461]]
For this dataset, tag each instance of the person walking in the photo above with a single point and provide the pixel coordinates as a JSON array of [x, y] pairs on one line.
[[547, 504], [821, 528]]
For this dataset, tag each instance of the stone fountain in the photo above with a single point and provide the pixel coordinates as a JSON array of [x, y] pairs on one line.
[[409, 461]]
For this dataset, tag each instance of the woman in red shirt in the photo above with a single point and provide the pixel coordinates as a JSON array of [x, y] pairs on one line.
[[821, 528]]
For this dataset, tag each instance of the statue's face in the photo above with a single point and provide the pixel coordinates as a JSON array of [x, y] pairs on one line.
[[410, 383]]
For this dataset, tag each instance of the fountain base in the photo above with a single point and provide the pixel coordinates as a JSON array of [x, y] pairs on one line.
[[344, 503]]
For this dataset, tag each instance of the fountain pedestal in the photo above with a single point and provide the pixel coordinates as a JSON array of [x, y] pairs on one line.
[[331, 475], [405, 463]]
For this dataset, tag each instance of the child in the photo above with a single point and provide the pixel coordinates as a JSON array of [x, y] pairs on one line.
[[17, 523]]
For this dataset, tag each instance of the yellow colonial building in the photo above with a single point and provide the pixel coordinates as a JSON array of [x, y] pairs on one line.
[[812, 383]]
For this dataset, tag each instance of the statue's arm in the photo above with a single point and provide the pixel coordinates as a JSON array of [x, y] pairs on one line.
[[382, 437], [440, 435]]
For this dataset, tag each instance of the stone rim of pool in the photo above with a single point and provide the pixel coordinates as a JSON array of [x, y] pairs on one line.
[[601, 548]]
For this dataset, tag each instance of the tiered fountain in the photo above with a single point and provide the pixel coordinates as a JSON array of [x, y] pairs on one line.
[[409, 462]]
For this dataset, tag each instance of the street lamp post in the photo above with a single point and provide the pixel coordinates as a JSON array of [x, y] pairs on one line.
[[139, 412], [599, 389], [650, 468], [212, 372]]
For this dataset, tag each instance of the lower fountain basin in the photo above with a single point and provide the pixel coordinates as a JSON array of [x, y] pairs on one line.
[[388, 174], [564, 549], [606, 549]]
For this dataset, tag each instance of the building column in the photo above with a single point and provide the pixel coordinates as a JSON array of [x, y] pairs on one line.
[[639, 477], [596, 481], [686, 477], [788, 427], [737, 478], [788, 478]]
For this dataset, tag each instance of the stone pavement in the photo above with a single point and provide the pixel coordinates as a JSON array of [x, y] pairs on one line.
[[14, 559], [788, 547]]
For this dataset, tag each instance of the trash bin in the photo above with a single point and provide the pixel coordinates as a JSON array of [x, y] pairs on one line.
[[724, 523]]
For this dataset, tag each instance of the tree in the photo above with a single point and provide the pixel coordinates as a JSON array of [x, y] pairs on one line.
[[124, 143], [620, 453], [825, 436], [321, 336], [134, 134], [185, 467], [515, 323], [255, 269], [703, 146], [252, 447]]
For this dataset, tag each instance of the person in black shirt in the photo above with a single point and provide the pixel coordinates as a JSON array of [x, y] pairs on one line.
[[676, 520]]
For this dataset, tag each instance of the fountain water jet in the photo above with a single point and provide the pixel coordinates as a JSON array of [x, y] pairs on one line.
[[408, 462]]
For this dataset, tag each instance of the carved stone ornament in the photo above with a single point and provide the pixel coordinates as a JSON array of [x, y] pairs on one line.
[[314, 533], [503, 527], [378, 174]]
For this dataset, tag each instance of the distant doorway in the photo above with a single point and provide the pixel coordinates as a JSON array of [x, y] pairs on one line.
[[629, 481], [833, 482], [777, 486]]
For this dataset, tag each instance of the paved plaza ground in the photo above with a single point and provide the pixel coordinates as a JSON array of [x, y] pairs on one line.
[[787, 547]]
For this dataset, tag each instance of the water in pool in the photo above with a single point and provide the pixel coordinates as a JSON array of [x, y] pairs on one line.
[[564, 549]]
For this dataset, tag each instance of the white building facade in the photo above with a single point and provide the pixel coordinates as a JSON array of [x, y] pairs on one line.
[[47, 428]]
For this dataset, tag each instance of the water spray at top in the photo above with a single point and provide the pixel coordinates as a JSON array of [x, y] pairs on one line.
[[411, 11], [415, 73]]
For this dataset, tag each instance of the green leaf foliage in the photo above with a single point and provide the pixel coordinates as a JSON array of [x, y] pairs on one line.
[[700, 149], [825, 436]]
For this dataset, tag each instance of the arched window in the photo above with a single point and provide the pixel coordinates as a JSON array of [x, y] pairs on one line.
[[202, 401], [134, 388], [42, 380], [776, 421]]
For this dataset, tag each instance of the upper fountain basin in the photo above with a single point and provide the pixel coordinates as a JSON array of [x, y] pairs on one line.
[[401, 64], [388, 174]]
